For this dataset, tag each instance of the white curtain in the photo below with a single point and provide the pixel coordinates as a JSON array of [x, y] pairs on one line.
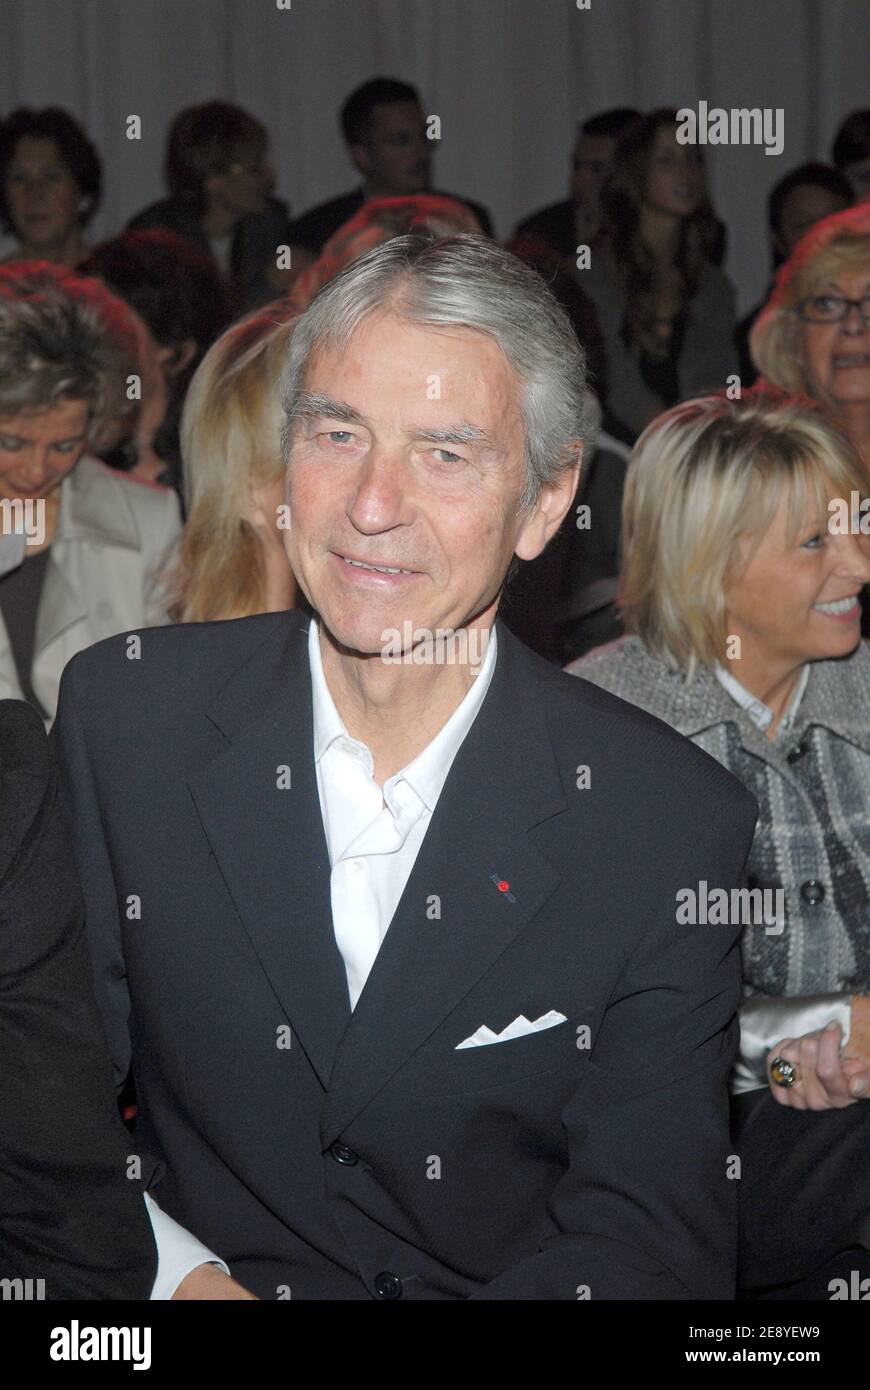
[[509, 79]]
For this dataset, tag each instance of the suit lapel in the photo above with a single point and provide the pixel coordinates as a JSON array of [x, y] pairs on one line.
[[478, 868], [93, 512], [269, 842], [477, 881]]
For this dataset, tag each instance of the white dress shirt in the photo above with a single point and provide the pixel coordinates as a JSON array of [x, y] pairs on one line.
[[373, 836]]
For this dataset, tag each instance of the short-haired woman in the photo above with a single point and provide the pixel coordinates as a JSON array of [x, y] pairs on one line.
[[813, 335], [93, 537], [50, 181], [740, 592], [219, 176]]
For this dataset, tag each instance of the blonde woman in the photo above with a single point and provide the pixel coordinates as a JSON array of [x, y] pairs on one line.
[[813, 335], [230, 561], [739, 592]]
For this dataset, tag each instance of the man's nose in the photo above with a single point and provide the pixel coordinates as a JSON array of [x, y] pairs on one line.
[[379, 497]]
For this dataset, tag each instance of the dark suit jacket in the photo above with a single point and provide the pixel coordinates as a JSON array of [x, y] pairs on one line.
[[255, 241], [314, 228], [370, 1158], [69, 1214]]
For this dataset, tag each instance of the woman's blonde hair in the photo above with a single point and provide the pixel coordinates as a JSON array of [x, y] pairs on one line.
[[703, 485], [230, 441], [838, 243]]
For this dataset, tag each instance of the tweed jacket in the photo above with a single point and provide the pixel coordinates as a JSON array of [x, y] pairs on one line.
[[813, 835]]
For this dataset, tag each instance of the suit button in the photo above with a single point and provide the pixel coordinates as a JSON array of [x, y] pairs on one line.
[[388, 1285], [342, 1154], [798, 752], [812, 891]]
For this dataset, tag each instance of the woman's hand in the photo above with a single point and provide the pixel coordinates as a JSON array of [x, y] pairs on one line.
[[826, 1081]]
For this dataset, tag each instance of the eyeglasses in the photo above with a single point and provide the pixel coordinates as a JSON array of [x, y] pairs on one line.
[[830, 308]]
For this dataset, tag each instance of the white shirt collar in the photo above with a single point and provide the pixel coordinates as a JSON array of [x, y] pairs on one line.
[[760, 713], [427, 773]]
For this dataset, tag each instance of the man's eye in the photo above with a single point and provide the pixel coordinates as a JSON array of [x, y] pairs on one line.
[[9, 446], [67, 446], [339, 436], [448, 457]]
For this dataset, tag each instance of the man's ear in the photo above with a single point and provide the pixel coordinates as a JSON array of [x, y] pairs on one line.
[[550, 509]]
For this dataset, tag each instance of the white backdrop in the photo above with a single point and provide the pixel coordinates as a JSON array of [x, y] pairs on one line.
[[509, 79]]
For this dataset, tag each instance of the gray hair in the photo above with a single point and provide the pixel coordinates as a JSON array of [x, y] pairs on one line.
[[465, 281], [63, 337]]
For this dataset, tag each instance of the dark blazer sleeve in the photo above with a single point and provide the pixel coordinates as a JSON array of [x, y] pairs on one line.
[[647, 1207], [69, 1214], [79, 799]]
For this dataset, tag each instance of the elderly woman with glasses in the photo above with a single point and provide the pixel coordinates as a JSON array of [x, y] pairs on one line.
[[740, 597], [813, 335]]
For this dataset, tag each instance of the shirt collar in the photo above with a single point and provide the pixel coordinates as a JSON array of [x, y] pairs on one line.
[[96, 504], [427, 773], [760, 713]]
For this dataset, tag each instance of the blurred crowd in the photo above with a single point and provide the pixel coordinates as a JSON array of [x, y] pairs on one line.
[[153, 358]]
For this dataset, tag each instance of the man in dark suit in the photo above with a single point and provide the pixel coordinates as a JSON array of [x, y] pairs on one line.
[[72, 1221], [385, 132], [383, 906], [576, 221]]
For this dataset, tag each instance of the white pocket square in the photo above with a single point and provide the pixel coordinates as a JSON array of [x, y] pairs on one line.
[[518, 1029]]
